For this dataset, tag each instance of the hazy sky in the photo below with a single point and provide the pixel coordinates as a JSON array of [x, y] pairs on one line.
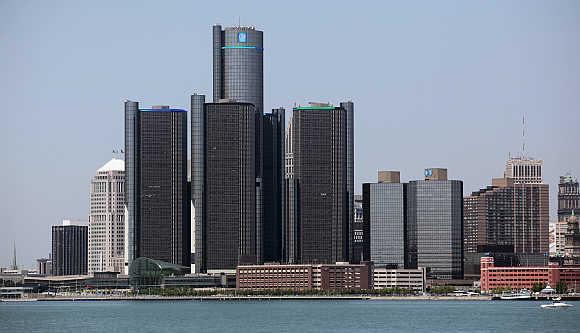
[[435, 84]]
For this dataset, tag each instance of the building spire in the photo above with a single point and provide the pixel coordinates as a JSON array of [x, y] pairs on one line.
[[14, 264]]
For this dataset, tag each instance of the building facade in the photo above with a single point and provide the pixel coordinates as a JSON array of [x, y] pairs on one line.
[[323, 172], [384, 213], [238, 65], [568, 202], [70, 248], [339, 276], [411, 279], [525, 277], [435, 225], [156, 194], [524, 170], [508, 221], [107, 218]]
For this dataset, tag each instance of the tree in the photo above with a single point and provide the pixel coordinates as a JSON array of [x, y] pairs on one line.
[[561, 287], [538, 286]]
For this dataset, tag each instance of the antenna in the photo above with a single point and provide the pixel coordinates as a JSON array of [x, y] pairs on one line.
[[14, 265], [524, 135]]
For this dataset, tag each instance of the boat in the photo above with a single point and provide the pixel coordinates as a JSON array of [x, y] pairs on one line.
[[556, 303], [516, 296], [18, 300]]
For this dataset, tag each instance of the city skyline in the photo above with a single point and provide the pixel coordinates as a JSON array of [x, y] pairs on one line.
[[436, 103]]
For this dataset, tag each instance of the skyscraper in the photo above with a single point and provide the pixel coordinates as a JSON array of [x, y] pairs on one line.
[[435, 224], [70, 248], [273, 182], [323, 181], [238, 66], [156, 184], [524, 170], [385, 213], [231, 226], [107, 218]]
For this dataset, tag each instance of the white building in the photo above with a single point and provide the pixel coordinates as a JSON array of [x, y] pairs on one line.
[[107, 218], [414, 279]]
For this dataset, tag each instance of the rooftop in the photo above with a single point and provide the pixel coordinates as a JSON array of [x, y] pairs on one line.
[[114, 164]]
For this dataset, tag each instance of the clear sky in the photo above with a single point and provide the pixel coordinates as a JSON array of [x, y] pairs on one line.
[[435, 84]]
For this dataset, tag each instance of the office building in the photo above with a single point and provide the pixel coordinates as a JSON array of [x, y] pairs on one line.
[[70, 248], [44, 266], [107, 218], [157, 216], [384, 213], [323, 172], [273, 183], [410, 279], [572, 247], [227, 185], [568, 202], [508, 221], [238, 65], [524, 170], [338, 276], [435, 225], [360, 233]]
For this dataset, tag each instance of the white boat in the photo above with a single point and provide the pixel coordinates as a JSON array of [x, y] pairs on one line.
[[10, 300], [515, 296], [556, 303]]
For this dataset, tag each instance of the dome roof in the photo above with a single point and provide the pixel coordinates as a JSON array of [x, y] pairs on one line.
[[114, 164]]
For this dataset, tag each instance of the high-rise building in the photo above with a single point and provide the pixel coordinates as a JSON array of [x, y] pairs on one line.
[[568, 202], [226, 185], [524, 170], [384, 212], [70, 248], [507, 221], [238, 65], [107, 218], [157, 217], [273, 183], [435, 224], [572, 247], [323, 176], [360, 233], [289, 156]]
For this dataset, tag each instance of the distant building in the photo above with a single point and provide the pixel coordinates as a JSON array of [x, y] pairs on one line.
[[156, 193], [44, 266], [360, 248], [411, 279], [70, 248], [323, 174], [435, 225], [525, 277], [572, 248], [568, 202], [107, 218], [524, 170], [339, 276]]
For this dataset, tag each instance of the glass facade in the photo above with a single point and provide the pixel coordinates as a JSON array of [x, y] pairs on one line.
[[197, 180], [145, 272], [435, 227], [384, 212], [325, 216]]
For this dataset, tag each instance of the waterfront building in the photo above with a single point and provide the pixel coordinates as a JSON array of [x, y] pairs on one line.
[[107, 218], [524, 170], [227, 185], [70, 248], [508, 221], [44, 266], [524, 277], [360, 234], [411, 279], [435, 225], [339, 276], [384, 213], [273, 130], [324, 181], [238, 65], [157, 209]]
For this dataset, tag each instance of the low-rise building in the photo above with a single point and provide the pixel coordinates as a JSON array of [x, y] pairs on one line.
[[412, 279], [525, 277], [339, 276]]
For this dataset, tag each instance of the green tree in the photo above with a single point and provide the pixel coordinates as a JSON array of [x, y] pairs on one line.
[[561, 287], [538, 286]]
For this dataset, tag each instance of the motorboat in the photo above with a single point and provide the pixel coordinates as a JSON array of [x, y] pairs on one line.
[[556, 303], [516, 296]]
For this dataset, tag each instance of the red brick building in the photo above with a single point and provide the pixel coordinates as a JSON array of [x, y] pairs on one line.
[[340, 276], [524, 277]]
